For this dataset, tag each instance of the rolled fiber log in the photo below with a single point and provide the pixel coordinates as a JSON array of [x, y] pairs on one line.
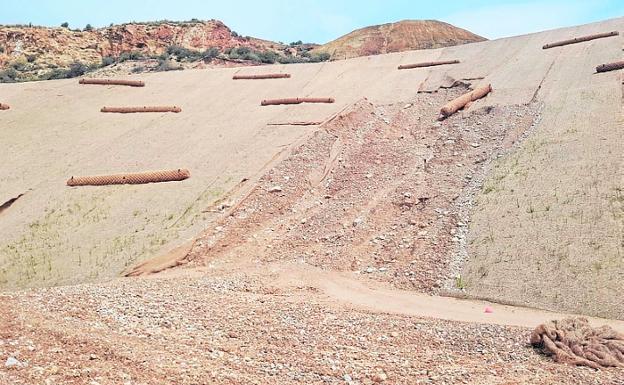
[[128, 110], [457, 104], [580, 39], [618, 65], [118, 82], [262, 76], [4, 106], [273, 102], [136, 178], [427, 64]]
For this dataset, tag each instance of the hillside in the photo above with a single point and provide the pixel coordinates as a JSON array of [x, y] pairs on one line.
[[36, 53], [364, 241], [397, 37]]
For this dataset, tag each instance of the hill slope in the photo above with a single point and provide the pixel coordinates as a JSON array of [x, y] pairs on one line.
[[397, 37]]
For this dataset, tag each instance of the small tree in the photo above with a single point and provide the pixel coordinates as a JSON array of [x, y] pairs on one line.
[[88, 27], [65, 25]]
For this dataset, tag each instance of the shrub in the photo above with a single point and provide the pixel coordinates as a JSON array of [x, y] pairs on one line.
[[65, 25], [1, 49], [168, 65], [31, 58], [319, 57], [107, 60], [234, 34], [294, 43], [211, 53], [138, 69], [133, 55], [88, 27], [76, 69], [184, 53], [268, 57], [9, 75]]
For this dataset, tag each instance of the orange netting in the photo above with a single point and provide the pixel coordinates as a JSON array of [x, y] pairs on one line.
[[457, 104], [618, 65], [572, 341], [427, 64], [127, 110], [136, 178], [119, 82], [580, 39], [263, 76], [271, 102]]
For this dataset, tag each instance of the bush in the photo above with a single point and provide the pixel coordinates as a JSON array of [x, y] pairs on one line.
[[234, 34], [138, 69], [134, 55], [211, 53], [65, 25], [31, 58], [268, 57], [319, 57], [107, 60], [168, 65], [8, 76], [184, 53], [88, 27], [1, 49], [294, 43], [76, 69]]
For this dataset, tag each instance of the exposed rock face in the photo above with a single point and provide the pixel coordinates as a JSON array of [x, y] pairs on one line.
[[396, 37], [47, 48]]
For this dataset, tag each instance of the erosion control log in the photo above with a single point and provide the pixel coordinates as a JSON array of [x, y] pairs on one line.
[[117, 82], [427, 64], [573, 341], [618, 65], [273, 102], [457, 104], [137, 178], [129, 110], [264, 76], [580, 39], [4, 106]]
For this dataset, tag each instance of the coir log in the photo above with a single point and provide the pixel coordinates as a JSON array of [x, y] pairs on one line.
[[134, 178]]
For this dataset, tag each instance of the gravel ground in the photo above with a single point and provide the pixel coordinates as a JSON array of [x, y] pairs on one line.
[[235, 330]]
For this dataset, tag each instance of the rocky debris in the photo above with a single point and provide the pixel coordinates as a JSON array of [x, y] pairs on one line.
[[396, 37], [232, 328], [387, 202]]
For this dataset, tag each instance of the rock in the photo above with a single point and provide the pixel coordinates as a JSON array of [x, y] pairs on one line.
[[380, 377], [12, 362], [275, 189], [347, 378]]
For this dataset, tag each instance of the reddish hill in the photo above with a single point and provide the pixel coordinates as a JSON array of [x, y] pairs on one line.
[[396, 37]]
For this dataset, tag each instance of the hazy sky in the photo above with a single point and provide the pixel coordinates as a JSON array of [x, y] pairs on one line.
[[317, 21]]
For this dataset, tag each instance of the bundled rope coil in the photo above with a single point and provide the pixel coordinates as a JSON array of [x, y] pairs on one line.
[[134, 178], [618, 65], [4, 106], [263, 76], [427, 64], [573, 341], [457, 104], [118, 82], [129, 110], [580, 39], [273, 102]]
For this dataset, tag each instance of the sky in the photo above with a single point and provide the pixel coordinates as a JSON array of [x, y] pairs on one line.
[[318, 21]]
